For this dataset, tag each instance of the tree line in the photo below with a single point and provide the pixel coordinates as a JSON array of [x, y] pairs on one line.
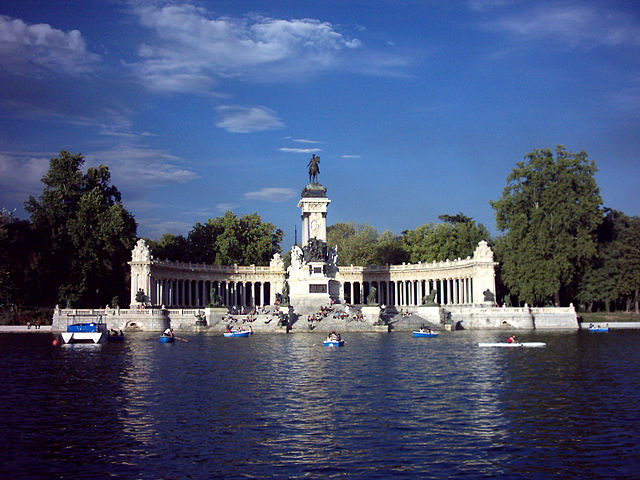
[[557, 243]]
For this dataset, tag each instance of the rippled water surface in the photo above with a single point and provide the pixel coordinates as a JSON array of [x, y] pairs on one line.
[[284, 406]]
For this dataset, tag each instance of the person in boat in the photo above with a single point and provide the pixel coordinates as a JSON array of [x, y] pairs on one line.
[[512, 339], [168, 333]]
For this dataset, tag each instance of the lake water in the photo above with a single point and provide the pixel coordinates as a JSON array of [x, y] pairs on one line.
[[284, 406]]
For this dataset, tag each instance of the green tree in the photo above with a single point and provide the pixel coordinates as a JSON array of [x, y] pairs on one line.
[[356, 243], [223, 241], [390, 249], [170, 247], [457, 237], [613, 277], [87, 233], [549, 209], [18, 261]]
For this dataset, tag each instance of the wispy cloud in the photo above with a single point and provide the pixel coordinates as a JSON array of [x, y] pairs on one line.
[[28, 49], [238, 119], [154, 228], [271, 194], [575, 25], [481, 5], [20, 175], [350, 156], [305, 140], [299, 150], [138, 168], [133, 170], [192, 48], [223, 207]]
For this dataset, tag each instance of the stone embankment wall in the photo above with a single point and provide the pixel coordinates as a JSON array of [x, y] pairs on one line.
[[469, 317]]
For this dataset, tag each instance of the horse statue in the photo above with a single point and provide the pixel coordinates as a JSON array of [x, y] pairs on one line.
[[314, 170]]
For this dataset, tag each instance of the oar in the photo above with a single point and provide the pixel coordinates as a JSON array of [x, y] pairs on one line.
[[178, 338]]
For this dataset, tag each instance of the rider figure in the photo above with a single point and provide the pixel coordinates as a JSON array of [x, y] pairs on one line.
[[314, 170]]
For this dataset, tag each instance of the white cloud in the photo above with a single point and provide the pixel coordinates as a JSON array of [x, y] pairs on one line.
[[238, 119], [223, 207], [350, 156], [191, 48], [271, 194], [299, 150], [21, 174], [155, 228], [574, 25], [481, 5], [25, 49], [136, 168], [304, 140]]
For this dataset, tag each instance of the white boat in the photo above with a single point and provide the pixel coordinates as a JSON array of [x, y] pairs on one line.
[[89, 332], [513, 344]]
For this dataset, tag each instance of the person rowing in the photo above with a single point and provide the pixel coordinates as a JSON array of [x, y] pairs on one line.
[[512, 339], [168, 333]]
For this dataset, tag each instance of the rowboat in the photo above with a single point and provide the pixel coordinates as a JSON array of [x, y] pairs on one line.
[[598, 329], [115, 337], [333, 343], [166, 339], [425, 334], [515, 344], [238, 333]]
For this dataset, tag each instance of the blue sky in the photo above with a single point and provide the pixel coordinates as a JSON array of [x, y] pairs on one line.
[[416, 108]]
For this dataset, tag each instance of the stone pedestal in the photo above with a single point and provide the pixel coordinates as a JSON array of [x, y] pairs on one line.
[[433, 314], [214, 315], [371, 314]]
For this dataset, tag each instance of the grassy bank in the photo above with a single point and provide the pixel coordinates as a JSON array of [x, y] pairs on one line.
[[604, 317]]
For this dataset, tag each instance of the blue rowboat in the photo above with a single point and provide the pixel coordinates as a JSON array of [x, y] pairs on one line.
[[238, 334], [599, 329], [333, 343], [165, 339], [425, 334]]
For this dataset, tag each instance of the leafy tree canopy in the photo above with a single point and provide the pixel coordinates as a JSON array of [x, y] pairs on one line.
[[613, 277], [223, 240], [356, 243], [549, 209], [361, 244], [17, 260], [87, 232], [458, 237]]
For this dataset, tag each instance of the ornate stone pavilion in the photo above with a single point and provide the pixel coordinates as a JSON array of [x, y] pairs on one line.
[[314, 277]]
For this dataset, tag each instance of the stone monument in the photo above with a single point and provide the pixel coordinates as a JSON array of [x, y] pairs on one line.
[[313, 265]]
